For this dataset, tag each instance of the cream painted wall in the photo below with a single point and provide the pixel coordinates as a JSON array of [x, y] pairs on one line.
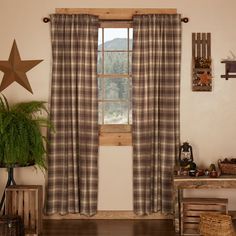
[[208, 120]]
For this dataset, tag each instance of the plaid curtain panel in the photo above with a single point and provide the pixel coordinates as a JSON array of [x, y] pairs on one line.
[[73, 148], [156, 92]]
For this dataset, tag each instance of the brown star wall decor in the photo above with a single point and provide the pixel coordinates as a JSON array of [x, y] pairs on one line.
[[15, 69]]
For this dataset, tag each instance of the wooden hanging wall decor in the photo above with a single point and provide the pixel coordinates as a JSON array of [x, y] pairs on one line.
[[201, 62]]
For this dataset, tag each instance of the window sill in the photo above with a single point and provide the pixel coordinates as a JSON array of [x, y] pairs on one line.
[[115, 135]]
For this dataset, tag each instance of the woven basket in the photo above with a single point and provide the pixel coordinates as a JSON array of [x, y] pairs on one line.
[[213, 224], [227, 168]]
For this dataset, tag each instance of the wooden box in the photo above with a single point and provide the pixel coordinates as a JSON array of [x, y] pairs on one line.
[[192, 208], [26, 201], [11, 226]]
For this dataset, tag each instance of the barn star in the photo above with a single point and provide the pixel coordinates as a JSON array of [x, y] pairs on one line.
[[15, 69]]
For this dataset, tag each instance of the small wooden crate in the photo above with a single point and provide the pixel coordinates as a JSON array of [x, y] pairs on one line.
[[192, 208], [26, 201]]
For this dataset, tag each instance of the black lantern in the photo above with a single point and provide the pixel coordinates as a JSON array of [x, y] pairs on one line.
[[186, 153]]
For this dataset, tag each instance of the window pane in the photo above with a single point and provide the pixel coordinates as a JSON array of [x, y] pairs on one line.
[[117, 88], [131, 33], [130, 111], [130, 116], [130, 38], [114, 92], [100, 80], [116, 63], [99, 39], [130, 63], [116, 39], [99, 63], [116, 113], [130, 101], [100, 108]]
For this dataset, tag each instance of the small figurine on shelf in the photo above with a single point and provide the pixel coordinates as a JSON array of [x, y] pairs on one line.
[[213, 172], [207, 172], [200, 172], [192, 169]]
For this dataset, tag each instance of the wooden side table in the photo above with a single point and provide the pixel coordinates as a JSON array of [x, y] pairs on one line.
[[203, 182]]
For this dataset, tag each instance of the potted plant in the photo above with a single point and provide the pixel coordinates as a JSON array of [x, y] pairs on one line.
[[21, 140]]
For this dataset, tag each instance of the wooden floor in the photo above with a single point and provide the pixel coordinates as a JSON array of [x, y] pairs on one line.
[[108, 228]]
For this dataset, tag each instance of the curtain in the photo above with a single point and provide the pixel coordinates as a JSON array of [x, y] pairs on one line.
[[73, 147], [156, 91]]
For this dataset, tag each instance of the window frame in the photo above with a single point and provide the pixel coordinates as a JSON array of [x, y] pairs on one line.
[[115, 134]]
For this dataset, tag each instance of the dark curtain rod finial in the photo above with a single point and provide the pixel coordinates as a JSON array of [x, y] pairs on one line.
[[46, 19], [185, 19]]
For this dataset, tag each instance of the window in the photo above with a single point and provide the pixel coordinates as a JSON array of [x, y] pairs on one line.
[[114, 75], [114, 83]]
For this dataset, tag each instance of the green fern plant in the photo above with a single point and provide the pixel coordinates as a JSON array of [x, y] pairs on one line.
[[21, 140]]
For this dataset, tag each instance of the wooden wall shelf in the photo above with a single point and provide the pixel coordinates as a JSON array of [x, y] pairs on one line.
[[230, 69]]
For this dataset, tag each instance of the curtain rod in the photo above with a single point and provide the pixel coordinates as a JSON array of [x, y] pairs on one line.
[[184, 19]]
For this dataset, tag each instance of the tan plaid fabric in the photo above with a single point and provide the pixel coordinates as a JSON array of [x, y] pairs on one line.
[[73, 148], [156, 90]]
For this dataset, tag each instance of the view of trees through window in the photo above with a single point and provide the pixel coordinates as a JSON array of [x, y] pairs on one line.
[[114, 75]]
